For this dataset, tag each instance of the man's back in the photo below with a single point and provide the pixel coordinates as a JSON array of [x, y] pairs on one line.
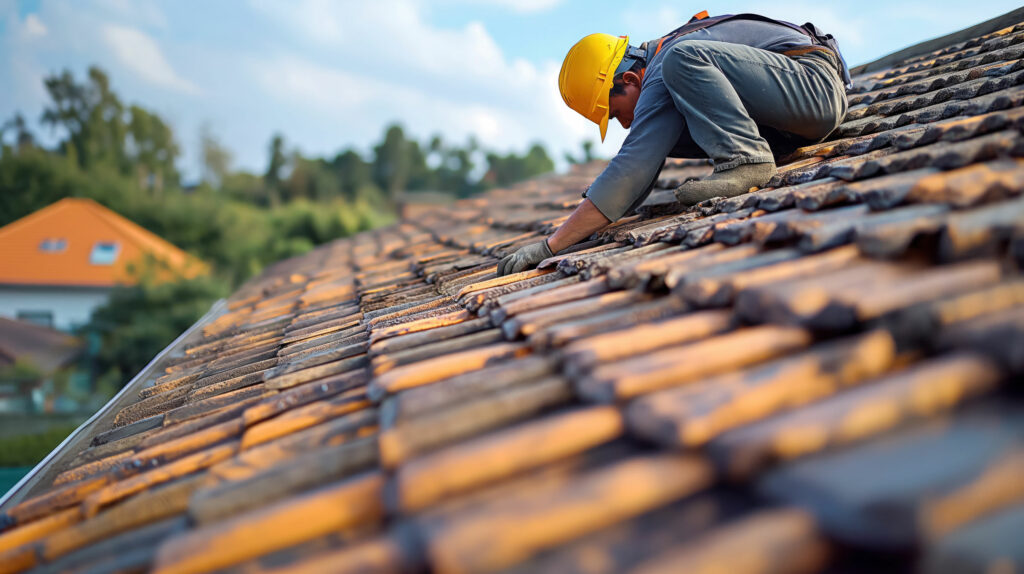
[[659, 128]]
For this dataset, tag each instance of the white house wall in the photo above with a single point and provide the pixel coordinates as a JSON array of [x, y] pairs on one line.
[[71, 306]]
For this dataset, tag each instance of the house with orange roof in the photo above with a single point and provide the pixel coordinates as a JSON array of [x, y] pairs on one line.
[[61, 262]]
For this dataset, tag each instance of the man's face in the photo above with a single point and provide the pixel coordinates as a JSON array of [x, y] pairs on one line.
[[621, 106]]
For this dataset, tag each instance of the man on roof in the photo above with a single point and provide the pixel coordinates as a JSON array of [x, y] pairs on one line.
[[740, 90]]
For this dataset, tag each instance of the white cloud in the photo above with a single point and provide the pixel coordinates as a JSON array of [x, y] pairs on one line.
[[328, 89], [34, 26], [845, 22], [23, 72], [395, 32], [141, 54], [651, 23], [396, 65], [327, 76], [520, 6], [359, 105], [138, 12]]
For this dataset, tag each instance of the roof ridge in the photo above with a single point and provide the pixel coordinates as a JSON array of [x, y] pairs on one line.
[[139, 235], [28, 218]]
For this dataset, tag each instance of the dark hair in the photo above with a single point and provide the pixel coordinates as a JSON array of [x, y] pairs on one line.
[[618, 87]]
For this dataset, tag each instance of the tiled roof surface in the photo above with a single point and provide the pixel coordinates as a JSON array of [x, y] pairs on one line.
[[81, 224], [44, 348], [815, 377]]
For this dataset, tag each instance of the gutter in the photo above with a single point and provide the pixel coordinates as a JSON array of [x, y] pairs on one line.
[[35, 476]]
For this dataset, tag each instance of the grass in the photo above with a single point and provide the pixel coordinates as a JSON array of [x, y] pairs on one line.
[[29, 449]]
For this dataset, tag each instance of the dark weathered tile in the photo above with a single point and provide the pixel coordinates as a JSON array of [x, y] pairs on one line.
[[687, 363], [418, 435], [924, 492], [690, 416], [355, 501], [492, 457], [512, 526], [766, 542], [923, 390]]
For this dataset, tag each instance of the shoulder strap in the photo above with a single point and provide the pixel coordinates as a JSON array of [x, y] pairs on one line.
[[698, 22]]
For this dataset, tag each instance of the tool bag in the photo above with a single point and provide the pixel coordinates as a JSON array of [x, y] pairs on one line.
[[701, 21]]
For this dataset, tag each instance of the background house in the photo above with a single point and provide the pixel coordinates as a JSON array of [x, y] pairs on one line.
[[31, 358], [61, 262]]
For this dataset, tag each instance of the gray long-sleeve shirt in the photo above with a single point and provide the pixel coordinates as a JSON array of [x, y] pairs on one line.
[[658, 129]]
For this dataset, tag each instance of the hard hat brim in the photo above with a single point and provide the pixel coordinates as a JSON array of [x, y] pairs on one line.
[[604, 96]]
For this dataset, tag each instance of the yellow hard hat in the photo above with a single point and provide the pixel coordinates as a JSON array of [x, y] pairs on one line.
[[587, 74]]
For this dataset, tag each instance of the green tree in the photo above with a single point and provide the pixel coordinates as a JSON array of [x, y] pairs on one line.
[[216, 158], [244, 186], [23, 138], [34, 178], [276, 161], [399, 164], [311, 178], [353, 173], [151, 150], [91, 116], [99, 130], [138, 322], [507, 169], [454, 166], [586, 155]]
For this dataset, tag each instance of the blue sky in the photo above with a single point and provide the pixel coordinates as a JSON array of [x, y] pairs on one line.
[[331, 74]]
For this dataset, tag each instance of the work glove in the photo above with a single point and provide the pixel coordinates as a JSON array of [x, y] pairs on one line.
[[524, 258]]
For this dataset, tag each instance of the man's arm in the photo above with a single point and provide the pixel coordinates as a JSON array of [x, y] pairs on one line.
[[582, 223], [656, 127]]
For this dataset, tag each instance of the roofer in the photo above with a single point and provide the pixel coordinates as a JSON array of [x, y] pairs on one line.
[[738, 89]]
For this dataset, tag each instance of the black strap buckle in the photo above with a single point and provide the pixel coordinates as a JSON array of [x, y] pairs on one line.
[[635, 53]]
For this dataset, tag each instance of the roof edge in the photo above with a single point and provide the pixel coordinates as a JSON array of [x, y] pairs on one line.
[[74, 442], [987, 27], [79, 285]]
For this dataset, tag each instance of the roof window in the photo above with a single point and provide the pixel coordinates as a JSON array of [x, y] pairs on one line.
[[53, 245], [104, 253]]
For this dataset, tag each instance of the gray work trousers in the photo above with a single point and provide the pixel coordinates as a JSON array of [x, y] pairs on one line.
[[733, 96]]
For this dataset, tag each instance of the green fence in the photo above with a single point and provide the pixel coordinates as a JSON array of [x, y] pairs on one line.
[[10, 476]]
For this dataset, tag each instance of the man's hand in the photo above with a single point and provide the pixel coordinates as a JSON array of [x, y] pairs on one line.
[[524, 258], [584, 221]]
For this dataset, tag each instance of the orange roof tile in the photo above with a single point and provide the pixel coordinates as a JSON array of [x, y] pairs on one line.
[[76, 226]]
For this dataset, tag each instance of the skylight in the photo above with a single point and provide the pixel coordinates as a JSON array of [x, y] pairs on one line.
[[104, 253], [53, 245]]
